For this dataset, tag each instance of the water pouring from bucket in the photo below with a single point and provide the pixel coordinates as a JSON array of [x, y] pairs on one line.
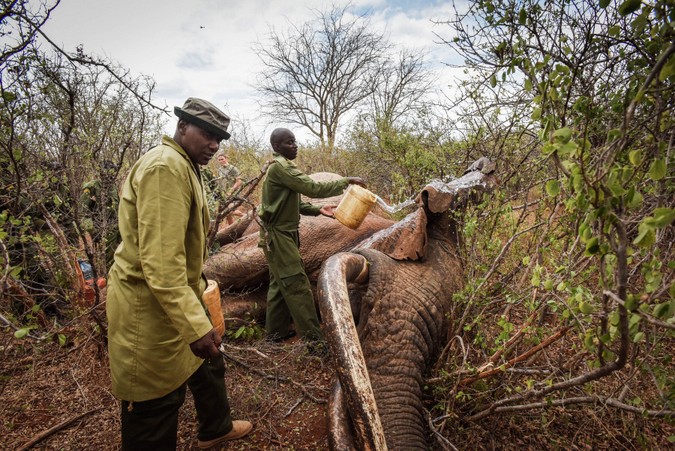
[[357, 203]]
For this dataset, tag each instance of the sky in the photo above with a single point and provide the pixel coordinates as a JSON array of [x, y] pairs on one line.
[[204, 48]]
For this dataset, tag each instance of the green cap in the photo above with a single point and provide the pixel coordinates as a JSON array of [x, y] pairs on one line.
[[204, 115]]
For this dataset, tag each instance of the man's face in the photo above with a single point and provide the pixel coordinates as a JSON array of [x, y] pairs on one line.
[[199, 144], [222, 159], [286, 146]]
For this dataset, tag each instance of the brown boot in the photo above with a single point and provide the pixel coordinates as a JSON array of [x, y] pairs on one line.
[[239, 429]]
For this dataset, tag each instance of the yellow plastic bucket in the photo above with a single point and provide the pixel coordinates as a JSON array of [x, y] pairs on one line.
[[354, 206], [211, 298]]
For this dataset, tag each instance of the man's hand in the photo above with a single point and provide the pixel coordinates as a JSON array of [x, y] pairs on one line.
[[207, 346], [357, 181], [328, 210]]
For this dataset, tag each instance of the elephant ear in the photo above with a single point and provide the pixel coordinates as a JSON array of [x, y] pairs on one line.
[[404, 240]]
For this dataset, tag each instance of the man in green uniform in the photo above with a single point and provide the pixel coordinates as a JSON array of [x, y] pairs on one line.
[[289, 292], [160, 337]]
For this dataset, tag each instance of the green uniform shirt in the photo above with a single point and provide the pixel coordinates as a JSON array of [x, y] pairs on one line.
[[155, 286], [281, 207]]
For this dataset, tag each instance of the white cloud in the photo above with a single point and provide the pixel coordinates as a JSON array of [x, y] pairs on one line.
[[203, 48]]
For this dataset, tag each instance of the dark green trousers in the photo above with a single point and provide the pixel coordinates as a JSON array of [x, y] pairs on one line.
[[291, 297], [153, 424]]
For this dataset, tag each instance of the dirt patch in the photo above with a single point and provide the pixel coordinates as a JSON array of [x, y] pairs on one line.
[[281, 389]]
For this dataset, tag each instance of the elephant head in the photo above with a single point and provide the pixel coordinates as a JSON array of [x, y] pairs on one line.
[[386, 307]]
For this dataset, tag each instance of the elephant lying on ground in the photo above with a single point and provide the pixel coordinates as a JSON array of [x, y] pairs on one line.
[[402, 280], [240, 265]]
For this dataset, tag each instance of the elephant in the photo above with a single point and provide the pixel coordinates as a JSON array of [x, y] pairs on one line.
[[240, 265], [386, 310]]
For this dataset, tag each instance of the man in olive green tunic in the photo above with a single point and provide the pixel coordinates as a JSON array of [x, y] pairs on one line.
[[289, 295], [160, 337]]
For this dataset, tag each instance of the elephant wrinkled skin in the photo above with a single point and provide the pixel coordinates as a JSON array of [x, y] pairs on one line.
[[385, 338]]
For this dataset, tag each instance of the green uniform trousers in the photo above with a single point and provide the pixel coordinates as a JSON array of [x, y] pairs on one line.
[[290, 297], [153, 424]]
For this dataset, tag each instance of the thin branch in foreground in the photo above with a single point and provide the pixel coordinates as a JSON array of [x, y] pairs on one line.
[[272, 377], [596, 400], [490, 372], [42, 435], [647, 317], [442, 441], [292, 408]]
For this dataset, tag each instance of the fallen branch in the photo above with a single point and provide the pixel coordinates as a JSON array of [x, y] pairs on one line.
[[234, 201], [297, 403], [490, 372], [273, 377], [41, 436], [596, 400], [442, 441]]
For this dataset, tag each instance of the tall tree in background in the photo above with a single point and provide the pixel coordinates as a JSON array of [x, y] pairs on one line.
[[320, 71]]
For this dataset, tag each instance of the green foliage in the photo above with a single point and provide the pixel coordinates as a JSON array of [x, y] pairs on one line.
[[583, 228], [246, 332], [65, 117]]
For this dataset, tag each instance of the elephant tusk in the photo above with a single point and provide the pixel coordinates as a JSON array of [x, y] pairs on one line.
[[341, 436], [344, 343]]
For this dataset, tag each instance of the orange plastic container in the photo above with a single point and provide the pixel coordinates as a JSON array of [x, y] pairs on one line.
[[211, 298], [354, 206]]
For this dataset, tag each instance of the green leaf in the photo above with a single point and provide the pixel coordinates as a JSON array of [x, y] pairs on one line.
[[528, 85], [493, 81], [635, 157], [668, 69], [592, 246], [629, 6], [62, 339], [562, 135], [585, 308], [568, 148], [21, 332], [553, 188], [589, 343], [603, 3], [536, 114], [660, 310], [646, 236], [8, 96], [657, 170], [613, 135], [631, 303], [522, 16], [634, 198], [663, 217]]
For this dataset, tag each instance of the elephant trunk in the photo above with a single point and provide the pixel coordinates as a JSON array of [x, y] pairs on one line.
[[344, 343]]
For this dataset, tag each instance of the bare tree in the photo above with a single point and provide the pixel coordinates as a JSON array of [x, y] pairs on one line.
[[320, 71], [400, 88]]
